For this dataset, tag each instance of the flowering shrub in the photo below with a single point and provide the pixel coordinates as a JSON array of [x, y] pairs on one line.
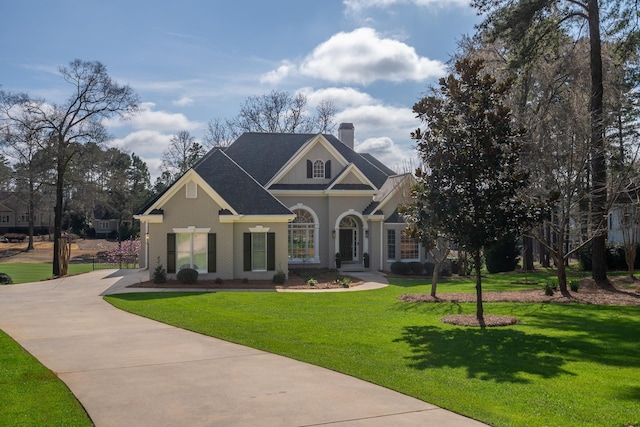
[[125, 253]]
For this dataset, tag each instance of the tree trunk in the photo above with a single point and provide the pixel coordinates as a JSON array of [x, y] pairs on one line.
[[598, 162], [479, 308], [527, 253], [434, 279], [57, 211], [31, 214]]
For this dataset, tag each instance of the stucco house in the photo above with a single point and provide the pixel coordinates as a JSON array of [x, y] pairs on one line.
[[270, 202]]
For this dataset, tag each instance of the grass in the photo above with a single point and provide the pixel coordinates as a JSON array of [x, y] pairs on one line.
[[32, 395], [569, 365], [34, 272]]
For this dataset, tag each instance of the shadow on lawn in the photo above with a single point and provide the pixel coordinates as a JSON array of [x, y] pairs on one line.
[[602, 335], [502, 355]]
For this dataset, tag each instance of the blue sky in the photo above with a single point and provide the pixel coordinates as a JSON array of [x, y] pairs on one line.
[[194, 60]]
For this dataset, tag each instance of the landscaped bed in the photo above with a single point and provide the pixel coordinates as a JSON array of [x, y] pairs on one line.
[[298, 279]]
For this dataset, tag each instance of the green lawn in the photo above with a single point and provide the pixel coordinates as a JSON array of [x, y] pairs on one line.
[[568, 365], [32, 395], [34, 272]]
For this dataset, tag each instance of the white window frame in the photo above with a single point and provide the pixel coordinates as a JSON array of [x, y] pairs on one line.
[[404, 236], [192, 231], [318, 169], [312, 230], [255, 253]]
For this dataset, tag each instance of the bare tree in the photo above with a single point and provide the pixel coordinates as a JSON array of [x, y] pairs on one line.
[[183, 152], [218, 134], [281, 112], [73, 123]]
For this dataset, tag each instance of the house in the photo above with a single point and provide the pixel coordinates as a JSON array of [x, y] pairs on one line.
[[270, 202], [14, 215]]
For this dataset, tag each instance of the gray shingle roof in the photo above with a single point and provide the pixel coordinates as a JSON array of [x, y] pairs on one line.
[[227, 178], [263, 154]]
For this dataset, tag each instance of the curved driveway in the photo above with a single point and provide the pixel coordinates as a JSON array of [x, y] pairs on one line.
[[130, 371]]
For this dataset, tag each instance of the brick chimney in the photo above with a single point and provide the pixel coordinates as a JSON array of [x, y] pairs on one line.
[[345, 134]]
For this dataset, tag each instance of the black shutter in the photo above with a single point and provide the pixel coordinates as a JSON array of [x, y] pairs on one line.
[[171, 252], [309, 169], [211, 256], [271, 251], [327, 169], [246, 249]]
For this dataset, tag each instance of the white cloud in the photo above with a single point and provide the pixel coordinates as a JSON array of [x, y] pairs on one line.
[[148, 145], [279, 74], [391, 154], [380, 118], [342, 97], [185, 100], [148, 119], [362, 57]]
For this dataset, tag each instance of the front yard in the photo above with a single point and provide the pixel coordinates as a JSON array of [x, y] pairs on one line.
[[562, 364]]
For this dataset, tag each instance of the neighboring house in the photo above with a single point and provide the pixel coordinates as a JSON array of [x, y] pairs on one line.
[[104, 227], [623, 223], [272, 201], [14, 215]]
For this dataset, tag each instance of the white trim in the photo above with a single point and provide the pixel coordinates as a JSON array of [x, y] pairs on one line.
[[316, 235], [313, 169], [191, 190], [150, 219], [192, 229], [190, 175], [300, 155], [346, 171], [227, 219], [365, 228], [259, 229]]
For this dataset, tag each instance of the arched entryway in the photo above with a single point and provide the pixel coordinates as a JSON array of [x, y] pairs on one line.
[[351, 236], [349, 239]]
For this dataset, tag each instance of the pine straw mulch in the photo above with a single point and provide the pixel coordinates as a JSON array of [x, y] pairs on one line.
[[327, 279], [589, 293]]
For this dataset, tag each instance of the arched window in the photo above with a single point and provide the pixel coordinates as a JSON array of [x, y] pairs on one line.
[[302, 237], [318, 169]]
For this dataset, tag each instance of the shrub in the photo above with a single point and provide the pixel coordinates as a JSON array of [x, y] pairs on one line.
[[401, 268], [455, 268], [311, 281], [187, 275], [416, 267], [5, 279], [159, 274], [218, 281], [503, 256], [345, 282], [245, 280], [279, 278], [574, 285], [548, 288]]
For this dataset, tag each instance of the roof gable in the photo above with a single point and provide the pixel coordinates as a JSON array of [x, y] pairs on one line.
[[220, 178], [265, 155]]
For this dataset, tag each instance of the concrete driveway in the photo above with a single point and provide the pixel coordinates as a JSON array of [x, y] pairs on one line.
[[131, 371]]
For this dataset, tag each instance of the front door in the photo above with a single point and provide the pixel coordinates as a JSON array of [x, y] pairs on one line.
[[346, 244]]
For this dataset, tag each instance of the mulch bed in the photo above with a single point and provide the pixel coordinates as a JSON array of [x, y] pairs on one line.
[[326, 280], [588, 293]]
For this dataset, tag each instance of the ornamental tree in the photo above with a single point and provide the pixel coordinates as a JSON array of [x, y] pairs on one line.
[[469, 185]]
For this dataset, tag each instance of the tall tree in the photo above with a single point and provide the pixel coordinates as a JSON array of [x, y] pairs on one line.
[[73, 123], [183, 152], [281, 112], [31, 165], [530, 25], [468, 188]]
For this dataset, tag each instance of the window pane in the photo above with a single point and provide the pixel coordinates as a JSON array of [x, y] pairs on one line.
[[200, 251], [259, 251], [183, 250]]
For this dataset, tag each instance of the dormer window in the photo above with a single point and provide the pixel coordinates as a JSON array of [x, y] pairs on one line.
[[318, 169]]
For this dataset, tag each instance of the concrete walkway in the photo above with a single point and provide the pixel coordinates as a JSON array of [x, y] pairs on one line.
[[131, 371]]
